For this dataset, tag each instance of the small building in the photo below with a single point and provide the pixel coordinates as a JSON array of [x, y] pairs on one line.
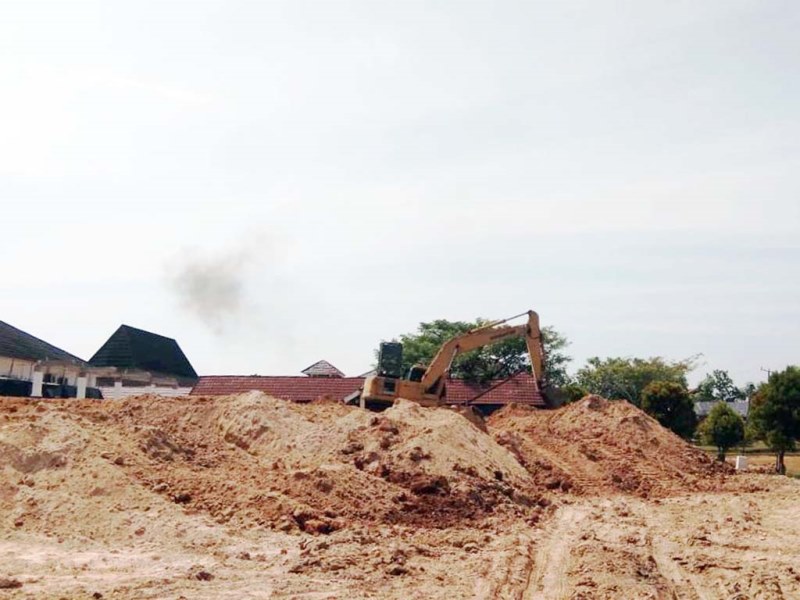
[[322, 368], [740, 407], [30, 366], [134, 361]]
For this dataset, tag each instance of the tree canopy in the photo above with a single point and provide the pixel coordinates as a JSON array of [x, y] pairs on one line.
[[497, 361], [718, 386], [775, 413], [669, 403], [722, 428], [626, 378]]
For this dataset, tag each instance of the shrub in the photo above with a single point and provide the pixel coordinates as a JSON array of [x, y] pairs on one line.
[[723, 428], [669, 403]]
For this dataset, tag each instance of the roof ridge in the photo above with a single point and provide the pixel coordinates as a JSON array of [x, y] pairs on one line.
[[139, 329], [315, 363]]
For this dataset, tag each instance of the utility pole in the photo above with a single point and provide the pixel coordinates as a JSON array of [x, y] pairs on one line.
[[767, 371]]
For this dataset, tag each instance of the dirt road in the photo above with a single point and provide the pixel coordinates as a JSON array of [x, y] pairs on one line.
[[549, 577], [703, 546]]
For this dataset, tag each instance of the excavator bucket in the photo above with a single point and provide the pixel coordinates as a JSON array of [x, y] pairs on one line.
[[473, 415], [553, 396]]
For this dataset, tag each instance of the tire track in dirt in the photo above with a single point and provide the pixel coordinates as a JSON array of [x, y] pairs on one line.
[[548, 578], [682, 583], [508, 571], [579, 476]]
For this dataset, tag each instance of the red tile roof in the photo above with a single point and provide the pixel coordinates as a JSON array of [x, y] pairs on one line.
[[298, 389], [459, 391], [520, 389]]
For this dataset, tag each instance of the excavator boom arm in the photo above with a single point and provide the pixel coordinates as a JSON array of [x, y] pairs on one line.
[[484, 336]]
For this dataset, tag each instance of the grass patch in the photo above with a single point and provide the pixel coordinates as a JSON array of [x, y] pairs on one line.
[[792, 462], [761, 457]]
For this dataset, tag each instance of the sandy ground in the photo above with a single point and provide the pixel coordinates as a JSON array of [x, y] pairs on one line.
[[251, 497]]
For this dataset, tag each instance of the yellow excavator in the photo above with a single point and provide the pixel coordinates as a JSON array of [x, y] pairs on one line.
[[426, 385]]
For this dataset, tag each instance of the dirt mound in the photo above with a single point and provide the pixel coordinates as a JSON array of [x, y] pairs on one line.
[[252, 460], [319, 466], [106, 469], [606, 446], [63, 474], [206, 497]]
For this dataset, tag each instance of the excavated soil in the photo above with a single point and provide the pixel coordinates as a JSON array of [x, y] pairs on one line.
[[600, 446], [251, 497]]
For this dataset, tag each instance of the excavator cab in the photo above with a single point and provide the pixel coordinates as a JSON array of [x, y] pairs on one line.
[[416, 373], [390, 383], [390, 363], [390, 360]]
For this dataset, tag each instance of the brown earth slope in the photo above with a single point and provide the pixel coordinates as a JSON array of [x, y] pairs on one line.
[[249, 496], [600, 446], [320, 466]]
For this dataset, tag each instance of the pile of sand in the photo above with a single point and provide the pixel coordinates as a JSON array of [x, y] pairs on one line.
[[604, 446], [106, 469], [322, 465], [65, 475], [207, 497], [249, 460]]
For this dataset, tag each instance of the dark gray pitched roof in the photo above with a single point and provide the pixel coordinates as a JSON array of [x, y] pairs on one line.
[[15, 343], [131, 348], [702, 408]]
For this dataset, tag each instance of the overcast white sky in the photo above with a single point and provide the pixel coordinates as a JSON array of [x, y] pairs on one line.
[[272, 183]]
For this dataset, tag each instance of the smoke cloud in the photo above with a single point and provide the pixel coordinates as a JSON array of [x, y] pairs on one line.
[[245, 293], [213, 288]]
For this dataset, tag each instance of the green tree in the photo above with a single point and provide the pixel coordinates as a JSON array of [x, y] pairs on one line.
[[775, 413], [572, 392], [626, 378], [718, 386], [749, 389], [556, 360], [497, 361], [722, 428], [669, 403], [420, 347]]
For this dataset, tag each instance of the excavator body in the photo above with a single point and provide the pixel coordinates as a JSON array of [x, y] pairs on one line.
[[385, 390], [427, 385]]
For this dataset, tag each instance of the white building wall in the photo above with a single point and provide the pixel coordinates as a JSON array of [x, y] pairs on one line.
[[71, 374], [117, 393], [36, 385], [16, 368], [23, 369]]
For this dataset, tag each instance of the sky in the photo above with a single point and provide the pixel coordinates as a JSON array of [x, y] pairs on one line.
[[276, 182]]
